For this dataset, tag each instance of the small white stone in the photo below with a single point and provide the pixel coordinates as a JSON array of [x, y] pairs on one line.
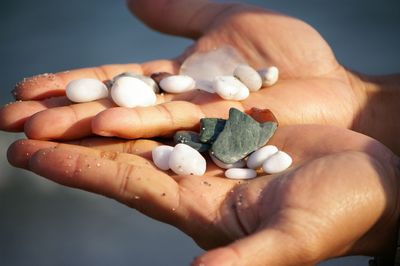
[[277, 163], [177, 84], [240, 173], [131, 92], [257, 158], [149, 81], [248, 76], [223, 165], [184, 160], [161, 156], [86, 90], [269, 76], [230, 88]]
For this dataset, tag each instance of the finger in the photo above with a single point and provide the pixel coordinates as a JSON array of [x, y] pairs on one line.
[[146, 122], [144, 188], [50, 85], [268, 247], [14, 115], [20, 151], [71, 121], [67, 122], [190, 18]]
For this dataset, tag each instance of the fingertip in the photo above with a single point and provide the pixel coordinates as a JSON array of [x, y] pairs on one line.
[[35, 127], [39, 87], [14, 115], [20, 152], [188, 18], [14, 154], [6, 121], [112, 122], [217, 257]]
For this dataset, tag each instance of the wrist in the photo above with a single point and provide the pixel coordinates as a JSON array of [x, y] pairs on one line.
[[378, 107]]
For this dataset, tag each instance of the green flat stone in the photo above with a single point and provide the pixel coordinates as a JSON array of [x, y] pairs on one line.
[[192, 139], [241, 136], [210, 129]]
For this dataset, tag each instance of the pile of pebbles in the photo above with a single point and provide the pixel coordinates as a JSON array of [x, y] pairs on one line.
[[232, 144], [135, 90], [221, 71], [182, 159]]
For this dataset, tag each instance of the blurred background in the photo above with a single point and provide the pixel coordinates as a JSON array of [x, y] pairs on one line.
[[42, 223]]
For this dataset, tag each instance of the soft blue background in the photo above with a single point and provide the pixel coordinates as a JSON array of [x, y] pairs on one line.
[[42, 223]]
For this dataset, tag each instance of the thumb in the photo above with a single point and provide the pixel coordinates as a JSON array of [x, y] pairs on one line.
[[268, 247], [188, 18]]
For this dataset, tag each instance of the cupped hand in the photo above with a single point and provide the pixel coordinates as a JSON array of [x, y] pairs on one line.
[[339, 198], [313, 87]]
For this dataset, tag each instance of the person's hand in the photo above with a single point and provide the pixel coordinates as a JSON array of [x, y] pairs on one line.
[[339, 198], [313, 87]]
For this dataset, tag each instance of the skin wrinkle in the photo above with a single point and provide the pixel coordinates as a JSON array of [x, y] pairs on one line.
[[74, 113], [141, 122], [164, 110], [236, 211], [129, 146], [230, 203]]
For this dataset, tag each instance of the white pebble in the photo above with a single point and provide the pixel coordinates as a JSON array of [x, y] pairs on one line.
[[149, 81], [86, 90], [269, 76], [257, 158], [248, 76], [131, 92], [161, 156], [223, 165], [240, 173], [277, 163], [184, 160], [177, 84], [230, 88]]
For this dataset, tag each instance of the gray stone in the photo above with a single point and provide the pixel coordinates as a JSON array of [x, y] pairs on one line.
[[192, 139], [210, 129], [241, 136]]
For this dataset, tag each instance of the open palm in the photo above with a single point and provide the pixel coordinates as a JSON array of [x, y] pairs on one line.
[[313, 88], [338, 198]]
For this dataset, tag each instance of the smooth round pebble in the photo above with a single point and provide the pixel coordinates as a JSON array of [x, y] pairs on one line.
[[240, 173], [177, 84], [131, 92], [230, 88], [248, 76], [149, 81], [223, 165], [257, 158], [277, 163], [161, 156], [86, 90], [184, 160], [269, 76]]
